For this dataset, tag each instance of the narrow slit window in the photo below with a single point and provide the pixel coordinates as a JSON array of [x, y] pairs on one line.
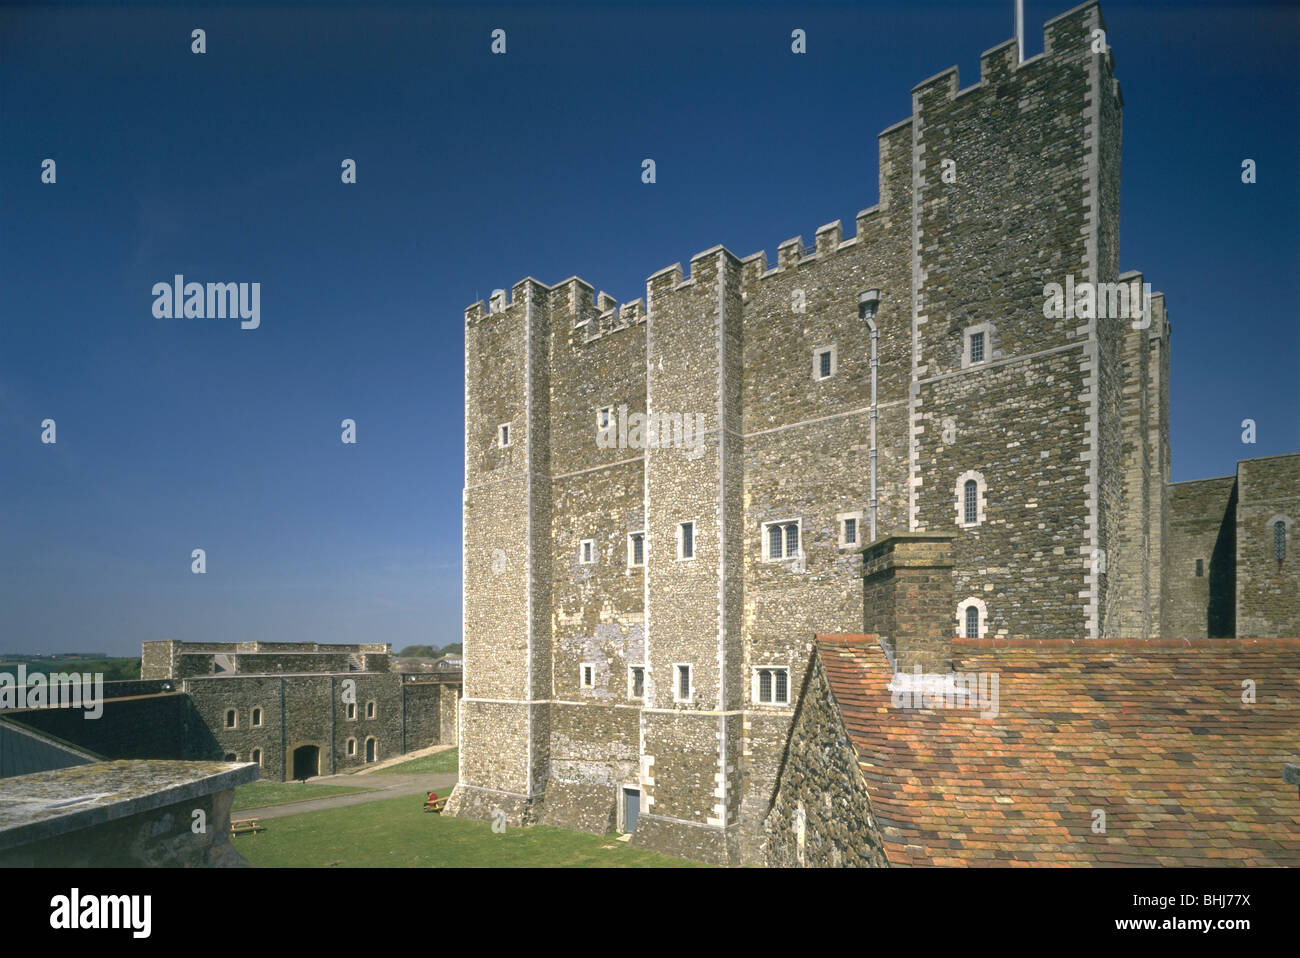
[[977, 347], [1200, 568], [850, 531], [1279, 540], [971, 500], [686, 540], [683, 683], [972, 622]]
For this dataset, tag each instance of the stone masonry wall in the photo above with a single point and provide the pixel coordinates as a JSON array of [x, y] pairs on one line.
[[1201, 529], [821, 784], [1268, 589]]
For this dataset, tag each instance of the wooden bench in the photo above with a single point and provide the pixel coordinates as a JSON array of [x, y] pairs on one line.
[[436, 805], [246, 825]]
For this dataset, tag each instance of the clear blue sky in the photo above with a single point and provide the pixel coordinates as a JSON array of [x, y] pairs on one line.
[[475, 171]]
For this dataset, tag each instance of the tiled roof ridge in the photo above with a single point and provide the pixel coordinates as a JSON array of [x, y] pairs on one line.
[[846, 638], [1084, 644]]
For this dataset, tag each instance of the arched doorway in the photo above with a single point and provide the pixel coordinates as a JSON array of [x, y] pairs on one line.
[[306, 761], [370, 750]]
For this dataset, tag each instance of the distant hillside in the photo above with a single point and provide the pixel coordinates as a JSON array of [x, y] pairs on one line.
[[113, 669]]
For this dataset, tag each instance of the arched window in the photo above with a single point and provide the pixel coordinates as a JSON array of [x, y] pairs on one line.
[[1279, 540], [972, 618], [970, 494]]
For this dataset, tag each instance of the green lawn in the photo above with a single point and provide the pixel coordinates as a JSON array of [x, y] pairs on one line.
[[261, 794], [439, 763], [396, 833]]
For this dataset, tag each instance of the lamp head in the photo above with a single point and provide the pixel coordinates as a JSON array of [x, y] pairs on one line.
[[868, 303]]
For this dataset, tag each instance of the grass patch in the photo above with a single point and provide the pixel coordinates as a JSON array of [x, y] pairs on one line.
[[262, 794], [439, 763], [396, 833]]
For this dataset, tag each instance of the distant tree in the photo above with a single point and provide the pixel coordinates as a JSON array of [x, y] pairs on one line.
[[454, 649], [419, 652]]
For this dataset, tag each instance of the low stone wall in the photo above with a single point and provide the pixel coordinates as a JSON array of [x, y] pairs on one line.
[[138, 815]]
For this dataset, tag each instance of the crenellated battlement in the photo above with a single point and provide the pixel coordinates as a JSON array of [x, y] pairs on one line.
[[1067, 36]]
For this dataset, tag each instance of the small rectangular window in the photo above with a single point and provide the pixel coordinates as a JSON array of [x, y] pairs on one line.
[[1200, 568], [587, 551], [683, 683], [637, 683], [636, 549], [503, 435], [850, 529], [230, 718], [588, 676], [686, 540], [977, 347], [824, 362]]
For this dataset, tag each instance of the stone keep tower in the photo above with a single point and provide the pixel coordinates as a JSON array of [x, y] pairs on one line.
[[600, 691]]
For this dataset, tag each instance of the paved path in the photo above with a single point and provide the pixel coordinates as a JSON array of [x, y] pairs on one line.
[[381, 787]]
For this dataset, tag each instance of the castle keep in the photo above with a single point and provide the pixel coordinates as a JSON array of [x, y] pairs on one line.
[[640, 598]]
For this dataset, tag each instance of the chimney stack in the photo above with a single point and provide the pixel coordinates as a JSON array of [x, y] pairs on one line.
[[907, 593]]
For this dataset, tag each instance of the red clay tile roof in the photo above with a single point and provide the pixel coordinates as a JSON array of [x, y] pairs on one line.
[[1153, 733]]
